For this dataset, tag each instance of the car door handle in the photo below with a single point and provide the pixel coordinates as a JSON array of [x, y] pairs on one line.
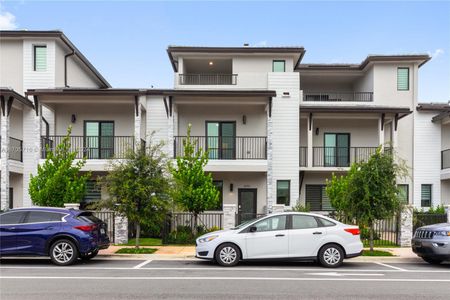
[[317, 232], [279, 235]]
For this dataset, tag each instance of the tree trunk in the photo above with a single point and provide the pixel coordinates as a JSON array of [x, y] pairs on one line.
[[371, 229], [138, 233], [194, 231]]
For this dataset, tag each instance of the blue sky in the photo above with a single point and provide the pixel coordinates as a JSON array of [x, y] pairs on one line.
[[126, 41]]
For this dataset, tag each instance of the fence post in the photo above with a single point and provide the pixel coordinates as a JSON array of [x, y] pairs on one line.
[[120, 229], [229, 216], [447, 209], [406, 226]]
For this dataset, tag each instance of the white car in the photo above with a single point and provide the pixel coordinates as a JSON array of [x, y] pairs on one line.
[[293, 236]]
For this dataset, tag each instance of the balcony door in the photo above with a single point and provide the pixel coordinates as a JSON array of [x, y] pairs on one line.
[[99, 139], [221, 139], [337, 149]]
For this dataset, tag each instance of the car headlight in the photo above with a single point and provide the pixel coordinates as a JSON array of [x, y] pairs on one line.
[[442, 233], [207, 239]]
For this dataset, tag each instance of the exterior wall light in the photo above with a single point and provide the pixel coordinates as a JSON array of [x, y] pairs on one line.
[[73, 118]]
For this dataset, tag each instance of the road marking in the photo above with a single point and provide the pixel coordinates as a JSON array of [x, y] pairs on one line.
[[142, 264], [342, 274], [224, 278], [389, 266]]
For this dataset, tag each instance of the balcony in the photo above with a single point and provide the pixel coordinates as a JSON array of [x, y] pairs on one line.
[[226, 148], [91, 147], [338, 96], [15, 149], [341, 156], [445, 159], [207, 79]]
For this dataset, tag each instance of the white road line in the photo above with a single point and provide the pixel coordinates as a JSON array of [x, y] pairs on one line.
[[142, 264], [224, 278], [392, 267], [343, 274]]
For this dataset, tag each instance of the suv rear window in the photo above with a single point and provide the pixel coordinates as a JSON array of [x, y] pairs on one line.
[[10, 218], [43, 216], [88, 217]]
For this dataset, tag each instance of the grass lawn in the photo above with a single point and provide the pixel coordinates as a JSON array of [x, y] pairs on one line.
[[136, 251], [376, 253], [144, 242], [381, 244]]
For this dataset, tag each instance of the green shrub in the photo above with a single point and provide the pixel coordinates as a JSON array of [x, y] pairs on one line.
[[183, 234], [299, 207], [365, 235]]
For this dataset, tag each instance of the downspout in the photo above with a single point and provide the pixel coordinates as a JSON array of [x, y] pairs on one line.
[[65, 67]]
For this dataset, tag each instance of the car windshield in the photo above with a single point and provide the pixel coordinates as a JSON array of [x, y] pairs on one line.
[[242, 225]]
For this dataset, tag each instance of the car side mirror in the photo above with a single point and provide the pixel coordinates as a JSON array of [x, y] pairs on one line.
[[253, 229]]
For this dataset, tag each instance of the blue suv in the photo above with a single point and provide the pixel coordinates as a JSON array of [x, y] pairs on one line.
[[63, 234]]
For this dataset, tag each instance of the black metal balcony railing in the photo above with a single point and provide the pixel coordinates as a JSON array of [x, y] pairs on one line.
[[207, 79], [303, 156], [445, 159], [338, 96], [91, 147], [237, 147], [341, 156], [15, 149]]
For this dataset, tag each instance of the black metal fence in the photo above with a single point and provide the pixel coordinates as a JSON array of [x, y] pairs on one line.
[[303, 156], [205, 220], [15, 150], [208, 79], [108, 218], [341, 156], [226, 147], [338, 96], [91, 147], [422, 219]]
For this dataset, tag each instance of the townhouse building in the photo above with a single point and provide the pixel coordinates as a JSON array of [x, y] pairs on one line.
[[276, 129]]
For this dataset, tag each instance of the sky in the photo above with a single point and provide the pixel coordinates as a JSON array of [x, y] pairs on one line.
[[127, 40]]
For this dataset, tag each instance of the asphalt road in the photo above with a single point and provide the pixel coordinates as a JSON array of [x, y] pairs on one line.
[[139, 279]]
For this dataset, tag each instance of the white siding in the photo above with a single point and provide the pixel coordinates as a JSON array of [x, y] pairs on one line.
[[427, 156], [157, 121], [38, 79]]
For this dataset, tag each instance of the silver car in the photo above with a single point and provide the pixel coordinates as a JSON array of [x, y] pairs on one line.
[[432, 243]]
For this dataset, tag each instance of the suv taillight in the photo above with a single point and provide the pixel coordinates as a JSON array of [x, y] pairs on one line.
[[354, 231], [86, 228]]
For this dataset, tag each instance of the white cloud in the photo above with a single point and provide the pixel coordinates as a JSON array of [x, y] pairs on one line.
[[436, 53], [7, 21]]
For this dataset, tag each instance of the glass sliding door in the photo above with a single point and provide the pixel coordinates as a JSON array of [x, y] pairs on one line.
[[330, 150], [336, 150], [99, 139], [221, 140]]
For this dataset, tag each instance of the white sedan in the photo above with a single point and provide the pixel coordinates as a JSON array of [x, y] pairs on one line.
[[293, 236]]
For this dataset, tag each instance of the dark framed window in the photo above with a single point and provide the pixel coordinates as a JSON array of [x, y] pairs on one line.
[[317, 198], [40, 58], [403, 193], [336, 150], [271, 224], [43, 216], [279, 66], [11, 218], [402, 79], [219, 186], [99, 139], [283, 192], [426, 195], [221, 139], [93, 193]]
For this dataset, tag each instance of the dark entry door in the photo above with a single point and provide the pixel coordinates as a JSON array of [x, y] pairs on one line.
[[246, 205]]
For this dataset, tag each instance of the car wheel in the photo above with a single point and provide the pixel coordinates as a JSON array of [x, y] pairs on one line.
[[331, 256], [228, 255], [89, 256], [63, 252], [433, 261]]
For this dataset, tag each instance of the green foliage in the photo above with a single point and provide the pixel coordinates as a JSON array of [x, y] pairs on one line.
[[365, 234], [58, 180], [136, 251], [184, 235], [438, 210], [138, 187], [376, 253], [301, 208], [369, 191], [194, 189]]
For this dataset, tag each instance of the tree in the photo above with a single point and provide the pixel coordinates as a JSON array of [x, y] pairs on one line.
[[194, 189], [58, 180], [138, 186], [369, 191]]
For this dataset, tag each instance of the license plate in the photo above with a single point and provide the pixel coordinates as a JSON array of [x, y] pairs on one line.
[[102, 231]]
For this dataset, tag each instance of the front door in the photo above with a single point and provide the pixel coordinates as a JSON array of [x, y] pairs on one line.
[[246, 204], [99, 139], [337, 150], [221, 139]]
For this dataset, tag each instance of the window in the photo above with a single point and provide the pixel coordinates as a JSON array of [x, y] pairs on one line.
[[99, 139], [403, 193], [325, 222], [402, 79], [93, 193], [219, 186], [337, 149], [317, 198], [221, 139], [43, 216], [283, 192], [88, 217], [12, 217], [40, 58], [271, 224], [426, 195], [279, 66], [304, 222]]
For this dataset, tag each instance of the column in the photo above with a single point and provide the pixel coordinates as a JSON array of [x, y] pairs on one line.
[[4, 184], [229, 216], [120, 229], [406, 226], [270, 180], [310, 141], [394, 135], [170, 128], [447, 209], [137, 122]]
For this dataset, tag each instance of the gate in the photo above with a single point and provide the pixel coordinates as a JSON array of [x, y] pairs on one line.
[[108, 218]]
